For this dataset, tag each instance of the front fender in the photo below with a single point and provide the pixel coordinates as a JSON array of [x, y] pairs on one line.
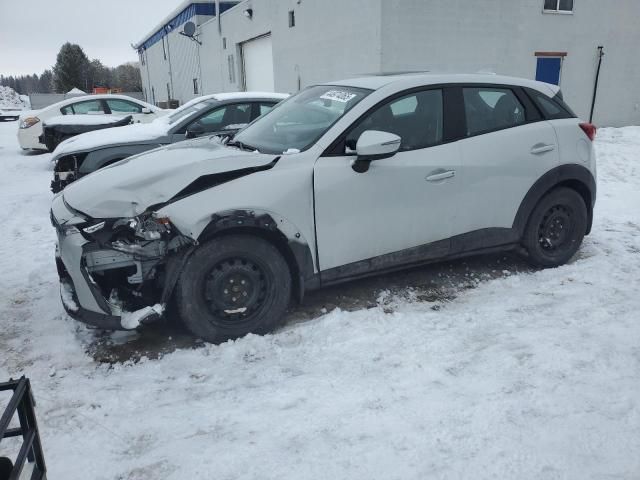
[[273, 228]]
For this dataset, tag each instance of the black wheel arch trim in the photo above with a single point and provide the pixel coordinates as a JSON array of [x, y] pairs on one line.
[[573, 176], [296, 251]]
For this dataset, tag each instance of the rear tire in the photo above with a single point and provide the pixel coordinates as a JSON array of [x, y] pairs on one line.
[[556, 228], [232, 286]]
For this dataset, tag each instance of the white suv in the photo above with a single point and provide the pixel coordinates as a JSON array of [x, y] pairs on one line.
[[338, 182]]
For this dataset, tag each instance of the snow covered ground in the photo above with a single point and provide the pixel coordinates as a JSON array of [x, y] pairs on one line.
[[531, 375]]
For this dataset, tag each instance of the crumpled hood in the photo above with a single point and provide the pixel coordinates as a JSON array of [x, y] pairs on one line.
[[129, 187], [137, 132]]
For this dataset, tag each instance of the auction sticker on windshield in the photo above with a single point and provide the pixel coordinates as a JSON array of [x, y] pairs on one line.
[[338, 96]]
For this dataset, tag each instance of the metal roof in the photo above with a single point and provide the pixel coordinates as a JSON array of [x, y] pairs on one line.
[[182, 14]]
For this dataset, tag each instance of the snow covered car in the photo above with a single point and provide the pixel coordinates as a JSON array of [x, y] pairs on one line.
[[58, 129], [340, 181], [10, 113], [30, 129], [223, 113]]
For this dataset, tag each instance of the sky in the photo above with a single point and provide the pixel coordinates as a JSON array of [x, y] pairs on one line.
[[32, 31]]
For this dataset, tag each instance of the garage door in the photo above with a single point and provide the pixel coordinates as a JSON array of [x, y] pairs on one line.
[[257, 56]]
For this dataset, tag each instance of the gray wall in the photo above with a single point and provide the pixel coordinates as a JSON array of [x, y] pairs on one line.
[[503, 35], [43, 100], [335, 39], [320, 47]]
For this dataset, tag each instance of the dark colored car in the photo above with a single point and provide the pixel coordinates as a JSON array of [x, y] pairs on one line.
[[224, 113]]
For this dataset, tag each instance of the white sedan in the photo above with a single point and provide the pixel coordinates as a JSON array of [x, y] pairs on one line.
[[9, 113], [30, 128]]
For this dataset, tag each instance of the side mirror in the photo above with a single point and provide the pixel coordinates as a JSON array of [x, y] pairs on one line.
[[146, 110], [375, 145], [194, 130]]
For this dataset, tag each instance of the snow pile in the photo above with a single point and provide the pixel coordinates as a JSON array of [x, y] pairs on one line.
[[529, 376], [9, 98], [137, 132]]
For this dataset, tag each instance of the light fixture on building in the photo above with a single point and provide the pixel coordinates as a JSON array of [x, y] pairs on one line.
[[248, 13]]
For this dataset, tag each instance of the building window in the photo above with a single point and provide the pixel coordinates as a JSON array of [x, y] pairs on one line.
[[195, 86], [292, 19], [232, 69], [153, 95], [168, 92], [224, 43], [164, 49], [558, 6]]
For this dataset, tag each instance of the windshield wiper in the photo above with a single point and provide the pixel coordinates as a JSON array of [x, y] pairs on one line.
[[241, 146]]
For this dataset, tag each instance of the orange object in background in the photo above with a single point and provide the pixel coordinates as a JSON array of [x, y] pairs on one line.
[[103, 90]]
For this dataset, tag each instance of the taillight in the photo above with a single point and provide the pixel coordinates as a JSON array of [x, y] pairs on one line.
[[589, 129]]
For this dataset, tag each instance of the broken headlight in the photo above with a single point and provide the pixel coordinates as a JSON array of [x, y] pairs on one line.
[[146, 227]]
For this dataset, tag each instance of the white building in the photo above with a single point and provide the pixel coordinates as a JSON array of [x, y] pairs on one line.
[[286, 45]]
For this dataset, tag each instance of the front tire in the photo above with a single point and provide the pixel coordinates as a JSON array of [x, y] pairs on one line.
[[556, 228], [232, 286]]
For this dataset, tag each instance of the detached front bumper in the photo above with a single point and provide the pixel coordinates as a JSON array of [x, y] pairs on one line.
[[98, 285]]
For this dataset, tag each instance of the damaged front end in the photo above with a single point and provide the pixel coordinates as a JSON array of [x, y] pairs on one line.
[[66, 170], [128, 265]]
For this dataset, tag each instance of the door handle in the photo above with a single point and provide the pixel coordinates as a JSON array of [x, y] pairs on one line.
[[436, 177], [542, 148]]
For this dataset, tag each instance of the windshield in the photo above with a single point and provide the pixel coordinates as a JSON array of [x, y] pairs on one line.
[[187, 110], [300, 121]]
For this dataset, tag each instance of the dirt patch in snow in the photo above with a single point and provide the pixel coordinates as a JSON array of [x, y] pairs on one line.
[[437, 284]]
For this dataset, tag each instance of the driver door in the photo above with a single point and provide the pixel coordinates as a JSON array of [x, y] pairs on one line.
[[401, 210]]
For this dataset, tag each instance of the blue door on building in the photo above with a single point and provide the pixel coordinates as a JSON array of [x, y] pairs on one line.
[[549, 70]]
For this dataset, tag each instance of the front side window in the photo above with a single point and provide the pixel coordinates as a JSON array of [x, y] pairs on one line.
[[558, 5], [227, 117], [187, 110], [91, 107], [123, 106], [416, 118], [298, 122], [68, 110], [488, 109]]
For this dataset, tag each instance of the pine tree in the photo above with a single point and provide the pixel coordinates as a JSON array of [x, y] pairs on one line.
[[71, 69]]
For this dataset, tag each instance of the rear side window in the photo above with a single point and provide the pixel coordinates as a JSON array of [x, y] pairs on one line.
[[551, 108], [488, 109], [68, 110], [415, 118], [90, 107]]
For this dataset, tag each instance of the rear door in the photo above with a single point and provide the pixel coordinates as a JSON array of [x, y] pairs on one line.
[[506, 148]]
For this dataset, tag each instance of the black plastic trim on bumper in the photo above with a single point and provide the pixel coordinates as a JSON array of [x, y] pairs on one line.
[[99, 320]]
